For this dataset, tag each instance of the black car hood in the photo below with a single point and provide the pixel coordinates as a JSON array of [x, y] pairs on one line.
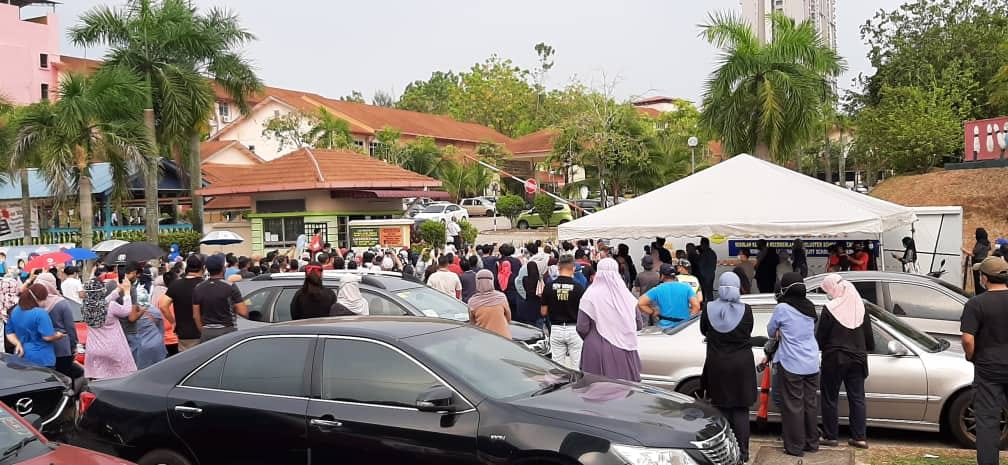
[[653, 417], [525, 332], [17, 372]]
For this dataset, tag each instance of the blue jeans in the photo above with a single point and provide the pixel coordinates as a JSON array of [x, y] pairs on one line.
[[852, 377]]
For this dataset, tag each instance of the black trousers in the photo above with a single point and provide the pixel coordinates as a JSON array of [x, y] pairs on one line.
[[738, 419], [799, 411], [989, 399], [67, 366], [172, 349], [851, 375]]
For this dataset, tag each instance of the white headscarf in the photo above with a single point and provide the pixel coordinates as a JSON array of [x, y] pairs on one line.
[[845, 303], [349, 295], [611, 305]]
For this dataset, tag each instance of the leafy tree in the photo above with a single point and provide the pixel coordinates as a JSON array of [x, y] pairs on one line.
[[174, 49], [430, 96], [510, 206], [355, 96], [383, 99], [469, 232], [433, 233], [763, 98], [96, 118], [423, 156], [389, 149], [495, 93], [289, 130], [321, 130], [543, 206], [330, 132]]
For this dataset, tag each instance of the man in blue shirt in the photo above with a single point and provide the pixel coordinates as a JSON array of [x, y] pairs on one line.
[[671, 301]]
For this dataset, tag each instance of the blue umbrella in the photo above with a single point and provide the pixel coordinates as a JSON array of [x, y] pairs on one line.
[[79, 253]]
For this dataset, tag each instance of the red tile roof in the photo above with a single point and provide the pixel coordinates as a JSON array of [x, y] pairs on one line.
[[215, 172], [75, 64], [229, 202], [537, 142], [308, 169], [655, 99], [648, 112]]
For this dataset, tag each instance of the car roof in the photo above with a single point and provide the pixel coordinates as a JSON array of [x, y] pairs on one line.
[[771, 300], [382, 328], [387, 280], [854, 276]]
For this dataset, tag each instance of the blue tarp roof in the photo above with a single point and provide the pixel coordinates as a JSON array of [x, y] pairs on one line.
[[101, 178]]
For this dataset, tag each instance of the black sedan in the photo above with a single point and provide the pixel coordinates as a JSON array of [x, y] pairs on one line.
[[46, 395], [385, 391]]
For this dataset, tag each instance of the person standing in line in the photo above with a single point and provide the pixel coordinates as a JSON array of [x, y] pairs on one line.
[[217, 303], [150, 331], [161, 283], [748, 268], [488, 307], [683, 275], [349, 300], [648, 277], [72, 287], [783, 264], [985, 340], [108, 353], [561, 300], [981, 249], [508, 268], [468, 277], [179, 297], [312, 300], [799, 258], [766, 267], [530, 290], [129, 322], [29, 328], [797, 366], [727, 325], [444, 280], [454, 232], [672, 302], [708, 268], [63, 321], [608, 324], [744, 283], [845, 336], [623, 250]]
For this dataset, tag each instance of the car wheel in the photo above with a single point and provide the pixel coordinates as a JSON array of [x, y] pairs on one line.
[[523, 224], [961, 421], [692, 388], [163, 457]]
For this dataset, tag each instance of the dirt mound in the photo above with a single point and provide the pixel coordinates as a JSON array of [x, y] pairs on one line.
[[983, 194]]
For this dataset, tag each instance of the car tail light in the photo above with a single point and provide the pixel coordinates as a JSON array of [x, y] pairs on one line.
[[86, 399]]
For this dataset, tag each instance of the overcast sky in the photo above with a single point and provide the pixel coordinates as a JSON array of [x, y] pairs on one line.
[[332, 47]]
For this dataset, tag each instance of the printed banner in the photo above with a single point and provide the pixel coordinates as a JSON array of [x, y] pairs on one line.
[[12, 221], [364, 236], [392, 237], [813, 247]]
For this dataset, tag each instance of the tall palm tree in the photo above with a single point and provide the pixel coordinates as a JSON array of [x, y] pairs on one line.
[[8, 130], [174, 49], [764, 97], [96, 118], [330, 132]]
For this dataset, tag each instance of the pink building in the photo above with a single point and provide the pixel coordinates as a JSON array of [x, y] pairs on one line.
[[29, 53]]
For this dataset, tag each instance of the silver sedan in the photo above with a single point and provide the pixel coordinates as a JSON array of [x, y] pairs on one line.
[[915, 382]]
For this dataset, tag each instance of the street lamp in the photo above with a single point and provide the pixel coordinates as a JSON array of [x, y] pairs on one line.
[[692, 142]]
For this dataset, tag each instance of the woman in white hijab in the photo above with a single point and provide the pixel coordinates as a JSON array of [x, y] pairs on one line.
[[349, 298], [845, 338], [608, 324]]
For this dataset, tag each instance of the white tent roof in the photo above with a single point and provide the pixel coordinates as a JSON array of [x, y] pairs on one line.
[[742, 197]]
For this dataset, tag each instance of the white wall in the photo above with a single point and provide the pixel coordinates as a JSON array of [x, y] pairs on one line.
[[230, 156]]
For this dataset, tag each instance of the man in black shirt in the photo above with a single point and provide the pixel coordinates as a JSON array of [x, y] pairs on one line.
[[216, 302], [985, 341], [560, 303], [180, 295]]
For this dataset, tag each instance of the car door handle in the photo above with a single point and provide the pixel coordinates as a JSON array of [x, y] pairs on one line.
[[186, 410], [325, 423]]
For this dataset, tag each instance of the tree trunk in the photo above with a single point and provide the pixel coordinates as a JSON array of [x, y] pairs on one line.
[[151, 180], [86, 207], [829, 170], [26, 207], [762, 151], [195, 182]]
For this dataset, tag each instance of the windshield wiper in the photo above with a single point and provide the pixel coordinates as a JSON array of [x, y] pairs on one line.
[[553, 386], [13, 450]]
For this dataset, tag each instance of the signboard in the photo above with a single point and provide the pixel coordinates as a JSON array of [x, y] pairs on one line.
[[364, 236], [12, 221], [531, 186], [391, 237], [985, 139], [813, 247]]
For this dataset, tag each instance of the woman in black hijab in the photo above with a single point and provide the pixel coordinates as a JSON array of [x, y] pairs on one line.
[[980, 251], [766, 267], [529, 308]]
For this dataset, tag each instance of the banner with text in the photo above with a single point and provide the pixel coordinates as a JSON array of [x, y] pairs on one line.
[[813, 247], [12, 221]]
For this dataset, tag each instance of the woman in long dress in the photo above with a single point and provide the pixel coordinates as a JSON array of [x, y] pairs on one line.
[[727, 378], [108, 353], [150, 331], [608, 324]]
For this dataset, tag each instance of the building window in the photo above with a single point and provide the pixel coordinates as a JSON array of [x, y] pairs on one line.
[[282, 232], [223, 110], [43, 60], [45, 92]]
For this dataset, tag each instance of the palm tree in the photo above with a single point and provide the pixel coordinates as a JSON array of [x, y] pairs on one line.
[[174, 49], [7, 134], [330, 132], [764, 98], [96, 118]]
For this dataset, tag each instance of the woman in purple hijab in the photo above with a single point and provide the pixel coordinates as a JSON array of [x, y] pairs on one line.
[[608, 324]]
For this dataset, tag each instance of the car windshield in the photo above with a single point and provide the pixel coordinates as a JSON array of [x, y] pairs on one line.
[[434, 303], [469, 354], [12, 431], [434, 209], [925, 342]]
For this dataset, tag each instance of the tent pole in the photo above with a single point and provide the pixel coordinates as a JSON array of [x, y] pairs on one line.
[[881, 253]]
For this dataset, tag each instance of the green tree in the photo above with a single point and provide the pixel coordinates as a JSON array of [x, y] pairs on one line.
[[510, 206], [764, 98], [496, 93], [469, 232], [383, 99], [543, 206], [96, 118], [289, 130], [174, 49], [8, 132], [423, 156], [355, 96], [433, 233], [330, 132], [430, 96]]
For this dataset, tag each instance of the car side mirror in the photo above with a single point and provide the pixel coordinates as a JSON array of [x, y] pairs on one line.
[[436, 399], [897, 349]]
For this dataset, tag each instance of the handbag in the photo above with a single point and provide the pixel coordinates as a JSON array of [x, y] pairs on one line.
[[771, 346]]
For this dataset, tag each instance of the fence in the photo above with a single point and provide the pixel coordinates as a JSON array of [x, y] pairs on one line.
[[72, 235]]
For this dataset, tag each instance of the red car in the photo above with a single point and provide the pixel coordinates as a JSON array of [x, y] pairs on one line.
[[21, 444]]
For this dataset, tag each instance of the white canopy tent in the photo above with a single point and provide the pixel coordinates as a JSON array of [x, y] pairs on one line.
[[743, 197]]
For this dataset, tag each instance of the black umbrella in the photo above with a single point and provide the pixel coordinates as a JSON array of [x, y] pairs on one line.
[[134, 252]]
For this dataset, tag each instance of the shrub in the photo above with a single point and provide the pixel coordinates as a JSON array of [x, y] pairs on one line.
[[188, 240], [433, 233], [543, 206], [510, 206], [469, 232]]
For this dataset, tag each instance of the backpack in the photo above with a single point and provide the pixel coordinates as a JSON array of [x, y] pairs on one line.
[[94, 308], [579, 277], [503, 273]]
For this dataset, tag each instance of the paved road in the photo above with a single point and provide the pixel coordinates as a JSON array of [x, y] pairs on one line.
[[882, 437]]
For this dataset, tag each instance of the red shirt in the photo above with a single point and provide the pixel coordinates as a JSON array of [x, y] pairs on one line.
[[862, 257]]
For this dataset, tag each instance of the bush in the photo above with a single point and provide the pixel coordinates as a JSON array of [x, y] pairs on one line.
[[188, 240], [433, 233], [510, 206], [543, 206], [469, 232]]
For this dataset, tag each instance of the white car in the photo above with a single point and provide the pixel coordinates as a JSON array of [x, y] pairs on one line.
[[441, 211]]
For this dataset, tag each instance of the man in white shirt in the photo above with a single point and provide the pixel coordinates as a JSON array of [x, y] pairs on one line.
[[446, 280], [453, 230], [71, 286]]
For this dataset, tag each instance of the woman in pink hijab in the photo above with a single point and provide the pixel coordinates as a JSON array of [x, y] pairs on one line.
[[845, 338], [608, 324]]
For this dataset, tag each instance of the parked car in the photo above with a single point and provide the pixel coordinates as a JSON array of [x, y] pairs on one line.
[[30, 389], [389, 390], [915, 382], [269, 297], [479, 206], [530, 219], [413, 211], [928, 304], [441, 211], [22, 444]]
